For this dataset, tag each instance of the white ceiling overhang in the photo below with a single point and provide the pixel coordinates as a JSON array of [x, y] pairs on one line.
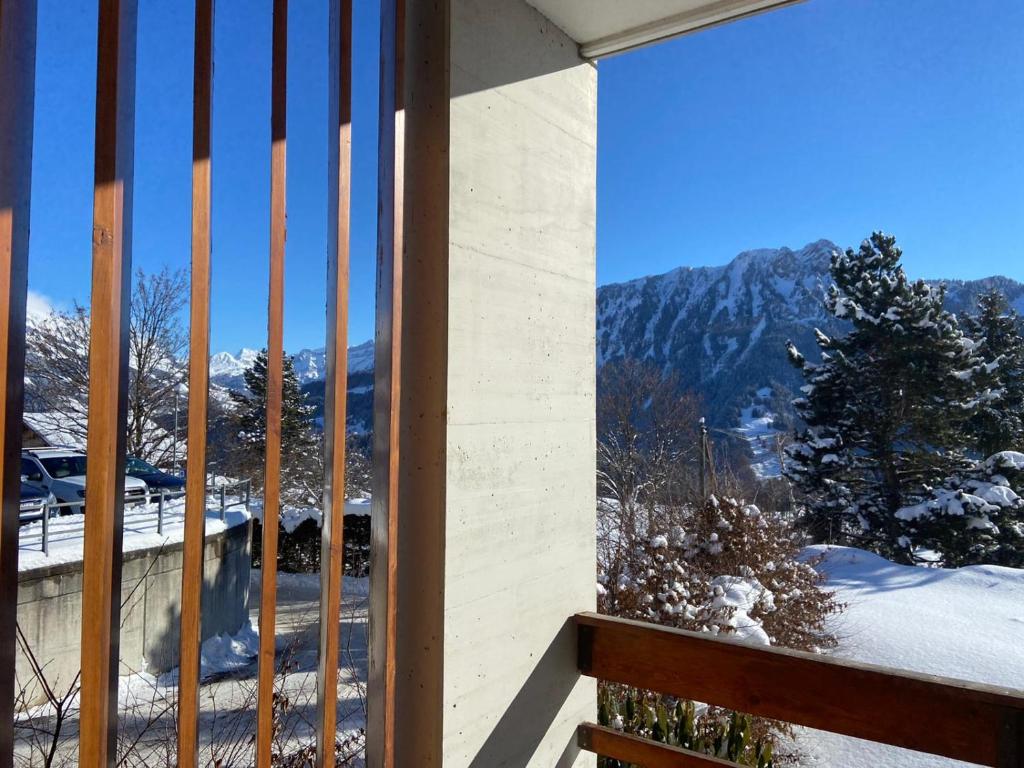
[[606, 27]]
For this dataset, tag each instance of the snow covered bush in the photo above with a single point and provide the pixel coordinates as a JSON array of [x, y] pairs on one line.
[[725, 568], [974, 517]]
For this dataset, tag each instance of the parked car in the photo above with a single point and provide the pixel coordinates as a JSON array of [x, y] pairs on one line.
[[35, 503], [156, 479], [61, 471]]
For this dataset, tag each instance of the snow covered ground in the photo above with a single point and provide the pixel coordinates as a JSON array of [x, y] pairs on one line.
[[966, 623], [147, 703], [141, 531]]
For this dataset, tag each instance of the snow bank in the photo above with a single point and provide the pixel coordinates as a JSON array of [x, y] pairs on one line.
[[228, 653], [293, 517], [965, 623], [140, 532]]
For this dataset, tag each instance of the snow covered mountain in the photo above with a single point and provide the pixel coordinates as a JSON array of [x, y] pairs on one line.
[[226, 369], [724, 329], [310, 364]]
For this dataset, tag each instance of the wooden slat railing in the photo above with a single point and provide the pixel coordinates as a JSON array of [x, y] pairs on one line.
[[17, 91], [198, 387], [110, 302], [387, 383], [332, 550], [275, 352], [108, 378], [952, 718]]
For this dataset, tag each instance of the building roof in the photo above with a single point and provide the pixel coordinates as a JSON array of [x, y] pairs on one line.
[[606, 27], [53, 429]]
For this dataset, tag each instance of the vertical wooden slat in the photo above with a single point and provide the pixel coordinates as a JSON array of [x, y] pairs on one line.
[[275, 351], [332, 553], [198, 387], [380, 744], [108, 379], [17, 73]]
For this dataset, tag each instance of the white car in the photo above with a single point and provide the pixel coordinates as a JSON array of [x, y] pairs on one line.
[[61, 472]]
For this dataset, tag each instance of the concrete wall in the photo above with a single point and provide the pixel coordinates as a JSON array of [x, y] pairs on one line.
[[50, 607], [483, 535], [519, 543]]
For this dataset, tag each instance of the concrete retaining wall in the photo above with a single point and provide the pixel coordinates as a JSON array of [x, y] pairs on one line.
[[50, 608]]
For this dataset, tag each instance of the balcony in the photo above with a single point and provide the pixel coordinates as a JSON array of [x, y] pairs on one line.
[[484, 647]]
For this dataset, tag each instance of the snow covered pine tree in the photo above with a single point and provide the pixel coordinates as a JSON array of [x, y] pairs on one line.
[[996, 330], [301, 456], [888, 411]]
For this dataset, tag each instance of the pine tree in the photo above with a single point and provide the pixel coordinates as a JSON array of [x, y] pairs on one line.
[[997, 331], [887, 408], [975, 516], [301, 463]]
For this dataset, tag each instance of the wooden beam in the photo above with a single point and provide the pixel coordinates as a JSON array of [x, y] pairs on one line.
[[404, 725], [198, 389], [962, 720], [633, 750], [17, 65], [275, 353], [380, 740], [332, 549], [108, 379]]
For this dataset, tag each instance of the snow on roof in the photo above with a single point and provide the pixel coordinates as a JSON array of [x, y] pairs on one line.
[[54, 429]]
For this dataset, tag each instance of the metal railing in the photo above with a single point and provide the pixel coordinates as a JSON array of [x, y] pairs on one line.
[[239, 490]]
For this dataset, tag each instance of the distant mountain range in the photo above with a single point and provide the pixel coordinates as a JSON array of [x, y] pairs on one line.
[[723, 329], [227, 370]]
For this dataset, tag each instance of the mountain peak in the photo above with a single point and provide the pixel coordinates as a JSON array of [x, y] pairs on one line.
[[723, 329], [227, 369]]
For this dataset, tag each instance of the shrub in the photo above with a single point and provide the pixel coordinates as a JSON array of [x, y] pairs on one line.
[[725, 568], [729, 735], [298, 550]]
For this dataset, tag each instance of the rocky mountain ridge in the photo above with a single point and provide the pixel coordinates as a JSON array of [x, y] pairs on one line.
[[723, 329]]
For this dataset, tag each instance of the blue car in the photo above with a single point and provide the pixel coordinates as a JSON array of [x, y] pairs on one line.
[[157, 480], [34, 503]]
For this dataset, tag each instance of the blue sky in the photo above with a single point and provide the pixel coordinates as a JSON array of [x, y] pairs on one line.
[[827, 119]]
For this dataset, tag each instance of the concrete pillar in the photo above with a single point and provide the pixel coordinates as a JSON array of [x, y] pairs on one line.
[[492, 497]]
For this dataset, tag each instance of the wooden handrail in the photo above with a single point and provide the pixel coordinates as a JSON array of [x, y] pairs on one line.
[[637, 751], [957, 719]]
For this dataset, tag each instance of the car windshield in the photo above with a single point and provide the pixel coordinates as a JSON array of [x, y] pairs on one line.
[[64, 466], [138, 465]]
